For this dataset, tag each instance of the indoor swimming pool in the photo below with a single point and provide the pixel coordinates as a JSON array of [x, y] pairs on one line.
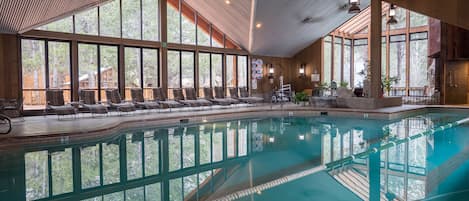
[[218, 160]]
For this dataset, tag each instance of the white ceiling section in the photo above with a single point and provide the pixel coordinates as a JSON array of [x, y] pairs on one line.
[[232, 19], [18, 16], [283, 34]]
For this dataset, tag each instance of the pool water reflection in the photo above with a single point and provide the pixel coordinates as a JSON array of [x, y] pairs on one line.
[[208, 161]]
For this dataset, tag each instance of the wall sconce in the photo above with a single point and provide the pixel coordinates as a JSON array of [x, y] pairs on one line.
[[392, 14], [271, 73], [354, 6], [302, 70]]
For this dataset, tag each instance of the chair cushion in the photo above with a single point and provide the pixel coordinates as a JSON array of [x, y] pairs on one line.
[[234, 92], [190, 94], [113, 96], [63, 109], [178, 94], [208, 93], [137, 95], [219, 92], [96, 108], [55, 97], [88, 97]]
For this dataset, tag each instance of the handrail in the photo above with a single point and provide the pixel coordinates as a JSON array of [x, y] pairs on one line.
[[339, 163], [7, 119]]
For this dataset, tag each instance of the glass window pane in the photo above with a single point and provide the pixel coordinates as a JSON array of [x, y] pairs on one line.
[[416, 189], [118, 196], [132, 70], [190, 187], [174, 151], [87, 22], [397, 54], [150, 19], [59, 67], [111, 165], [62, 172], [150, 72], [175, 189], [204, 71], [217, 146], [153, 192], [417, 19], [109, 19], [109, 69], [33, 73], [36, 175], [347, 61], [88, 67], [173, 70], [90, 161], [242, 71], [174, 25], [383, 56], [327, 68], [217, 67], [135, 194], [401, 19], [217, 37], [419, 63], [203, 31], [230, 71], [63, 25], [243, 139], [152, 157], [134, 155], [131, 19], [187, 73], [205, 145], [337, 59], [188, 148], [360, 61], [188, 26]]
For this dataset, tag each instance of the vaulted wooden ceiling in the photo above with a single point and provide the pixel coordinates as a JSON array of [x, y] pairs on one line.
[[360, 21], [17, 16]]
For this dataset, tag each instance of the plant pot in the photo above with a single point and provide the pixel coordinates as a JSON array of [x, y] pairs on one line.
[[358, 92]]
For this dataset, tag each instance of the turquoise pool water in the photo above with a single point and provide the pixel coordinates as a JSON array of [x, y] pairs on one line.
[[212, 160]]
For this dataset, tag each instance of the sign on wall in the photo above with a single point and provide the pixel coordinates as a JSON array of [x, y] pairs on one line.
[[256, 72]]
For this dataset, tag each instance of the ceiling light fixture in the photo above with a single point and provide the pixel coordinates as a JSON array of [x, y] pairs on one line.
[[354, 6], [392, 15], [258, 25], [227, 1]]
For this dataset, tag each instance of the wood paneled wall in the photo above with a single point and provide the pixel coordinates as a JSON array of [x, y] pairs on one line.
[[9, 66], [289, 69]]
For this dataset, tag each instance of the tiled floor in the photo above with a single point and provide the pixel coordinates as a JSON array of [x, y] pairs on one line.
[[85, 123]]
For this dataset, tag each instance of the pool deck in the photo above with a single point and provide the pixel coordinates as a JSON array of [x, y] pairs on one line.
[[34, 128]]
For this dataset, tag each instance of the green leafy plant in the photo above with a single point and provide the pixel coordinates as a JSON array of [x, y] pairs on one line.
[[323, 86], [387, 82], [343, 84], [300, 97]]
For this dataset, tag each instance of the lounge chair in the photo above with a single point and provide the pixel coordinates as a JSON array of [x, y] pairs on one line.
[[221, 95], [139, 101], [55, 103], [88, 101], [208, 95], [115, 101], [179, 97], [160, 96], [244, 96], [190, 95]]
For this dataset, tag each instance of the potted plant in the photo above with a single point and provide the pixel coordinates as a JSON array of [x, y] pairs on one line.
[[300, 97], [387, 82], [343, 90]]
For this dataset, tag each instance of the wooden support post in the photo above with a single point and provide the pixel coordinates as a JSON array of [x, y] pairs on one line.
[[375, 49]]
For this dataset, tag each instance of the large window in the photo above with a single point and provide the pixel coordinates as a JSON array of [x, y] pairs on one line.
[[141, 67], [133, 67], [39, 75], [327, 68], [204, 71], [150, 13], [88, 67], [419, 61], [347, 61], [360, 58], [109, 19], [109, 63], [180, 70], [397, 59], [243, 71], [231, 72], [217, 70], [151, 77], [87, 22], [131, 19], [337, 59]]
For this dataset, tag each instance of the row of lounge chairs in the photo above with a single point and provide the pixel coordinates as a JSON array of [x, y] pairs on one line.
[[56, 103]]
